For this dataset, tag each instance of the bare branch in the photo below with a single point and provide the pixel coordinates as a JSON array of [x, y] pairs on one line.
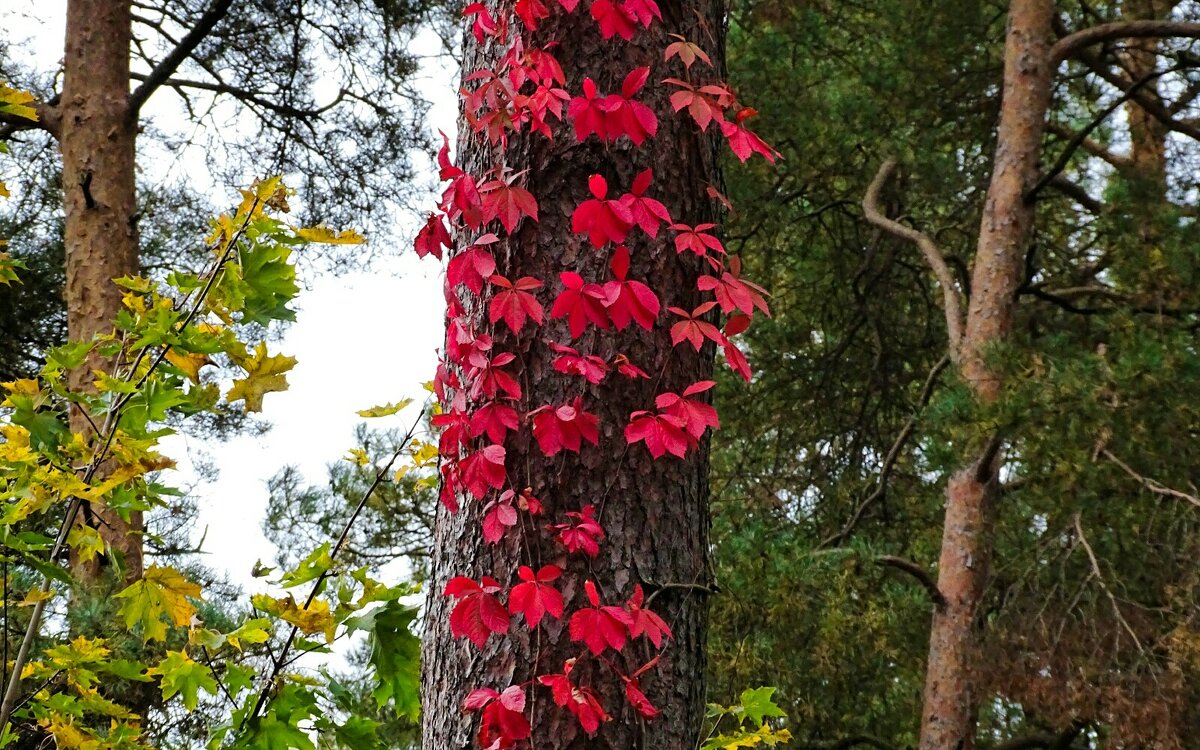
[[1155, 487], [1073, 145], [1100, 579], [1149, 104], [951, 298], [889, 461], [249, 96], [1072, 44], [1090, 145], [1076, 193], [169, 64], [916, 571]]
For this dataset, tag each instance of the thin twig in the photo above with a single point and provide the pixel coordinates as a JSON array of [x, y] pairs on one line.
[[951, 297], [1100, 579], [889, 461], [280, 660]]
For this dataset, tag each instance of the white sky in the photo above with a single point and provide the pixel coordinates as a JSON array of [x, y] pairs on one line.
[[360, 340]]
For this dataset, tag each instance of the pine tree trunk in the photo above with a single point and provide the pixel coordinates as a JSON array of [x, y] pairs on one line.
[[655, 512], [97, 142], [952, 677]]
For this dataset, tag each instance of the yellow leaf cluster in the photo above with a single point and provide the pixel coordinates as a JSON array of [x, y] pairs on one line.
[[162, 592]]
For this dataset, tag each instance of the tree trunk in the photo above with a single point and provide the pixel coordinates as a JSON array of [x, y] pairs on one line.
[[97, 142], [1147, 134], [952, 678], [655, 512]]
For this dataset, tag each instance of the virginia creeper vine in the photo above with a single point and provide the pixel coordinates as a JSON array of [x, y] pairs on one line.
[[479, 387]]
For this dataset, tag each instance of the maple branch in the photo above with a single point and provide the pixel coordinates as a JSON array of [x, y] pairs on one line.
[[1074, 43], [280, 660], [111, 421], [1155, 487], [169, 64], [951, 299], [916, 571]]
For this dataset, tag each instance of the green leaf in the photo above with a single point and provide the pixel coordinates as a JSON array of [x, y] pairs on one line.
[[757, 704], [310, 568], [395, 655], [181, 675]]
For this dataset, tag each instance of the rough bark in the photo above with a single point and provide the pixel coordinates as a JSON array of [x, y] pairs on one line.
[[655, 512], [97, 142], [952, 679]]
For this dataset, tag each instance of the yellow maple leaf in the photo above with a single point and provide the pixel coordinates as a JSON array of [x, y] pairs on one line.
[[161, 592], [264, 374], [330, 236], [190, 363]]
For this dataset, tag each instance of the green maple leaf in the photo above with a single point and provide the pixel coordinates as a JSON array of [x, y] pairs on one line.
[[757, 704], [395, 655], [181, 675]]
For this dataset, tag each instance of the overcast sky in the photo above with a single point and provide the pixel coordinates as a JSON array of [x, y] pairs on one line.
[[360, 339]]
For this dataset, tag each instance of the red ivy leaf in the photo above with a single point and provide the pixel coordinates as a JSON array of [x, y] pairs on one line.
[[643, 622], [687, 52], [628, 301], [600, 219], [514, 305], [433, 237], [565, 427], [500, 517], [647, 213], [614, 20], [662, 433], [693, 329], [696, 239], [580, 304], [494, 419], [478, 612], [535, 597], [599, 627], [503, 722], [507, 202], [582, 532], [745, 143], [471, 267], [570, 362], [483, 469]]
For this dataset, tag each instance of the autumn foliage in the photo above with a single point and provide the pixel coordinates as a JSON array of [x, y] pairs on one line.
[[479, 388]]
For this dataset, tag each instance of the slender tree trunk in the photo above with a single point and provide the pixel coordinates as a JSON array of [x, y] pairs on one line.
[[655, 512], [97, 142], [952, 680], [1147, 134]]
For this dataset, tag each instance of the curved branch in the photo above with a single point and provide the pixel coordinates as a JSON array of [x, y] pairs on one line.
[[951, 300], [916, 571], [169, 64], [1072, 44]]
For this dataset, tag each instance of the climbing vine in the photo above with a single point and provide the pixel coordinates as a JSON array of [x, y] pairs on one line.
[[479, 388]]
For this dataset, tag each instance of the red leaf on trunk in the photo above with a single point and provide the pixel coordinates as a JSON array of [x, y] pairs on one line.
[[580, 304], [602, 220], [478, 612], [515, 304], [534, 597]]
